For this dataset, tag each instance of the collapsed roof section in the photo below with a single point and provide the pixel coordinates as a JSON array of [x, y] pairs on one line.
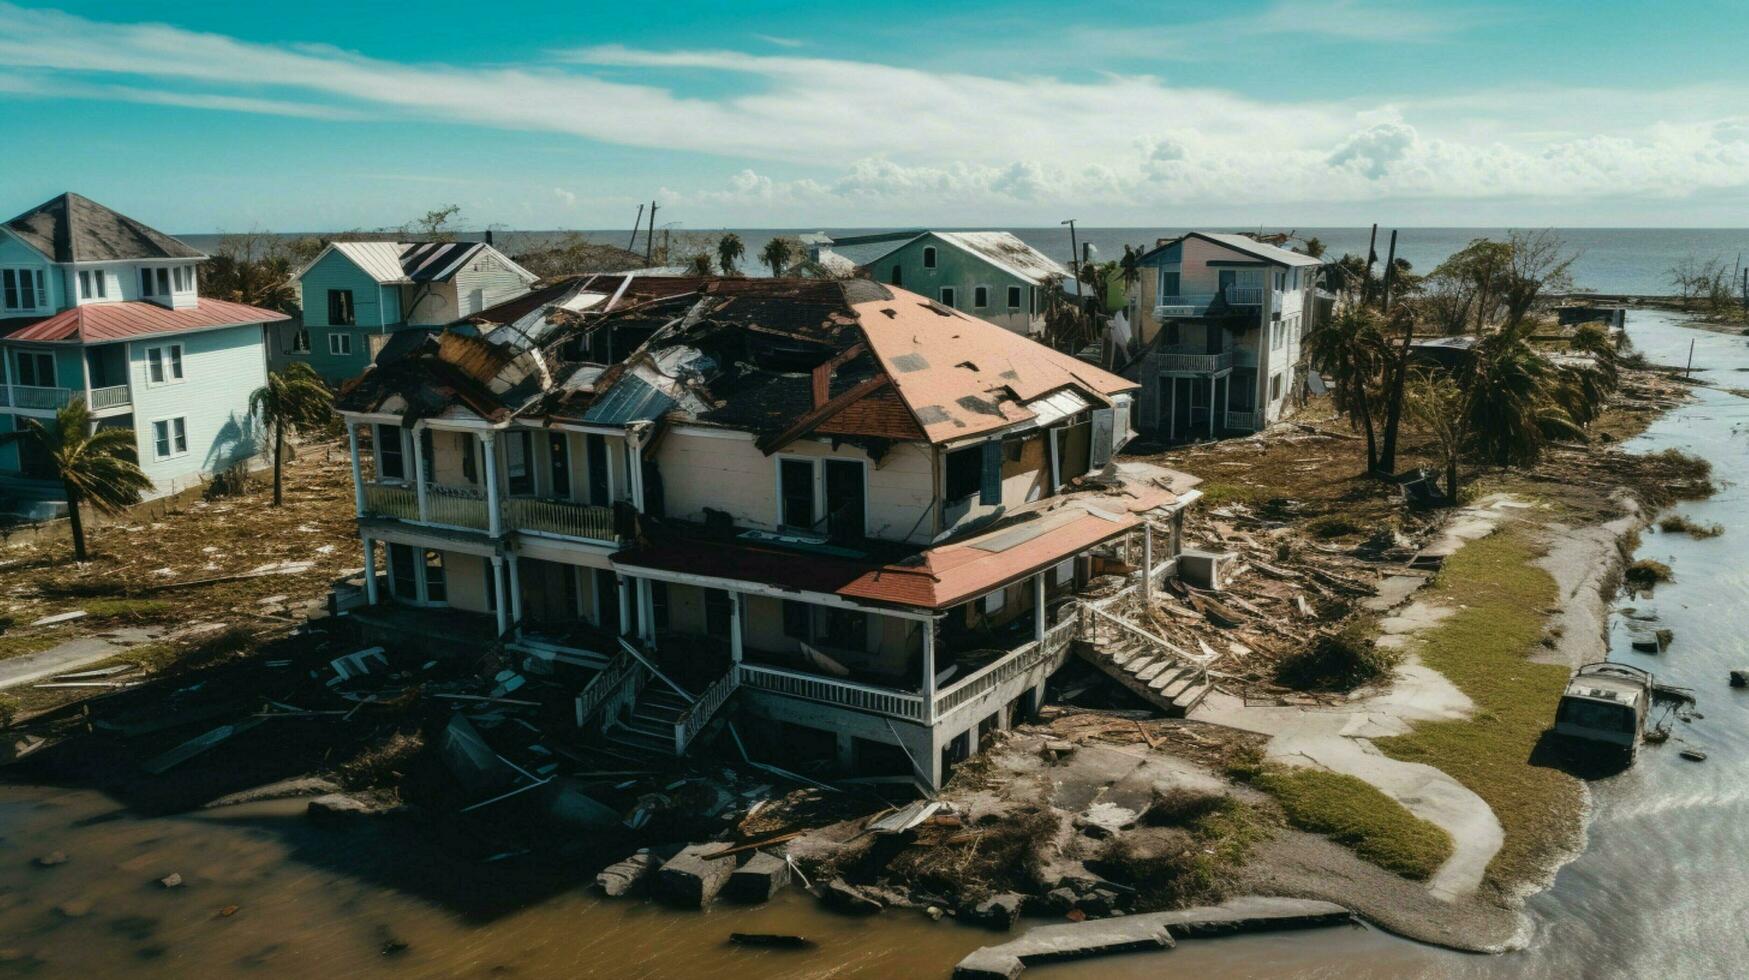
[[779, 358]]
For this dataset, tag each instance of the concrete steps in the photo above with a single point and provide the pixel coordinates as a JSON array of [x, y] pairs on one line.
[[1147, 671]]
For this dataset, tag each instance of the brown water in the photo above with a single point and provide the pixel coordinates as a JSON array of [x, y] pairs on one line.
[[1661, 889]]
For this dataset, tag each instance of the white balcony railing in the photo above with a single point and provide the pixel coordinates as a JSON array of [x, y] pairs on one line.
[[1172, 360], [451, 506], [831, 690], [1017, 663], [562, 518], [1186, 304], [391, 500], [114, 396], [1246, 421], [699, 713], [27, 396], [1245, 295]]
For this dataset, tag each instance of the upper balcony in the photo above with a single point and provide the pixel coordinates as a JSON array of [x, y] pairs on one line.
[[1225, 299], [467, 508], [32, 398], [1184, 360]]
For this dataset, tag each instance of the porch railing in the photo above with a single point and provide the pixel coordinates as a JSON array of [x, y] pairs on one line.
[[563, 518], [1186, 304], [1245, 295], [1250, 421], [1016, 664], [1196, 363], [114, 396], [391, 500], [26, 396], [831, 690], [456, 506], [621, 680], [699, 713]]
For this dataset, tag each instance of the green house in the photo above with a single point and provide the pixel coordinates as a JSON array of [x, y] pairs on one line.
[[992, 275]]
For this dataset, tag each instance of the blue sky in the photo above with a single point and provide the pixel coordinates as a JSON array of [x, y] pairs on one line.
[[225, 116]]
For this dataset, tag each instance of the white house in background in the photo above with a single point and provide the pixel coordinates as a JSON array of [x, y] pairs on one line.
[[97, 306], [1220, 318]]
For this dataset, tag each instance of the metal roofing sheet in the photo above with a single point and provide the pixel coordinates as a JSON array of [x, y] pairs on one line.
[[99, 322], [379, 260], [631, 399]]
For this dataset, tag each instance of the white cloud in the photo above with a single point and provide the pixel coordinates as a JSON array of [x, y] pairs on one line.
[[875, 140], [782, 42], [569, 197]]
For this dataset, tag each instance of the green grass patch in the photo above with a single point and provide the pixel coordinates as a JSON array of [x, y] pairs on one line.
[[1218, 492], [1355, 814], [18, 646], [1501, 600], [1646, 573], [1680, 524]]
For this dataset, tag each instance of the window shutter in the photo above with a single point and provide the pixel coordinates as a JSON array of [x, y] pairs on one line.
[[1101, 437], [991, 490]]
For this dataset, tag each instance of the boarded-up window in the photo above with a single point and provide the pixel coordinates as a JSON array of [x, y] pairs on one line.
[[795, 479], [1102, 427], [990, 485]]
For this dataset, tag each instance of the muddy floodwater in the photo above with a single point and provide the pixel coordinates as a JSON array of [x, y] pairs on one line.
[[1660, 890]]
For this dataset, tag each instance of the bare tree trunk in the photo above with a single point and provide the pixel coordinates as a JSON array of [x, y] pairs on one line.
[[1394, 405], [1360, 403], [1451, 479], [278, 459], [76, 522]]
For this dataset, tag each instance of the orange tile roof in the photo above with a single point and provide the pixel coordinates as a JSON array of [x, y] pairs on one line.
[[962, 376], [100, 322]]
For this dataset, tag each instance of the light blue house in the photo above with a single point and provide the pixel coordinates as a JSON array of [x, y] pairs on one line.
[[354, 294], [992, 275], [96, 306]]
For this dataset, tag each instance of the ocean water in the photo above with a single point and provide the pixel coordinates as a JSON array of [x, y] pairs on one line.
[[1609, 260]]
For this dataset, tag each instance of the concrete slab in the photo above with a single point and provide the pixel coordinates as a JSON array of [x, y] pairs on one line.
[[690, 879], [60, 659], [1148, 931]]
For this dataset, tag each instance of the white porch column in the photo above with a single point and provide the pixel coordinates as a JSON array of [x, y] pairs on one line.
[[929, 671], [1038, 607], [1211, 406], [635, 468], [646, 611], [370, 570], [625, 603], [500, 607], [494, 516], [515, 590], [419, 470], [357, 469], [735, 638], [1147, 567], [1173, 432]]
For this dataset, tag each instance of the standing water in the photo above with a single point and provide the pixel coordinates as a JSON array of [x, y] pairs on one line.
[[1659, 889]]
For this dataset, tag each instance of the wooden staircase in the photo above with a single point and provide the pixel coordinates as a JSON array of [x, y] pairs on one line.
[[649, 727], [1147, 665]]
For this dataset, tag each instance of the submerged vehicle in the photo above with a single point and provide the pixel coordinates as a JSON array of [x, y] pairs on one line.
[[1606, 704]]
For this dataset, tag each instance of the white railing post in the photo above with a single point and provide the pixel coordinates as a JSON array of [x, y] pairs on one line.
[[501, 607], [370, 570], [929, 670], [357, 470], [515, 591], [419, 471], [1038, 607], [494, 515], [735, 638]]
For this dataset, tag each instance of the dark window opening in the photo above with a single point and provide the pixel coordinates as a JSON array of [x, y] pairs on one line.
[[403, 577], [717, 612], [845, 500], [965, 472], [391, 463], [796, 493], [435, 588], [340, 312], [797, 620], [517, 450], [898, 276], [1014, 297], [559, 458], [595, 448], [929, 257], [980, 297], [659, 608]]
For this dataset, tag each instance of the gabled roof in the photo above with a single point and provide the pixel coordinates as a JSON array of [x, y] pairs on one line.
[[962, 376], [999, 248], [1243, 244], [72, 228], [406, 263], [95, 323]]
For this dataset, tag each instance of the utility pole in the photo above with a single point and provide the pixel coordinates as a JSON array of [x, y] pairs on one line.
[[1688, 372], [1390, 270], [1074, 252], [650, 239], [1372, 255], [635, 226]]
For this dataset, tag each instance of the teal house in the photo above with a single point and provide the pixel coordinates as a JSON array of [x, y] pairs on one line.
[[991, 275], [98, 307], [355, 294]]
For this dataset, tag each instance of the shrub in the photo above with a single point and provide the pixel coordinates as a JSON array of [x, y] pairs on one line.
[[1646, 573], [232, 481], [1340, 661], [1181, 807], [1333, 526], [1676, 523]]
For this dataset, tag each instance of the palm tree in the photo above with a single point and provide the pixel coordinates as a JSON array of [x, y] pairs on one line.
[[294, 399], [1351, 349], [729, 251], [777, 255], [96, 467], [1515, 403], [1439, 406], [1129, 268]]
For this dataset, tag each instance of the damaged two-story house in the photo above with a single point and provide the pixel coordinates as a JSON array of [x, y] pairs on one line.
[[1219, 318], [857, 515]]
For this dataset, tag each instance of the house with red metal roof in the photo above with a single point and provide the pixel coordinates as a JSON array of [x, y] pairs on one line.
[[98, 307], [858, 521]]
